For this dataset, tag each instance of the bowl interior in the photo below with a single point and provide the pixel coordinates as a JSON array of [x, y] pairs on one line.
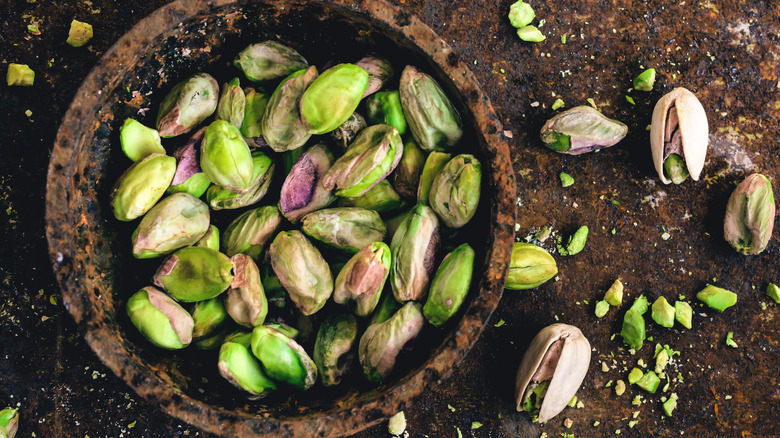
[[91, 252]]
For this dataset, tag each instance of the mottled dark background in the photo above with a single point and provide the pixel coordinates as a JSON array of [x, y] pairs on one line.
[[660, 240]]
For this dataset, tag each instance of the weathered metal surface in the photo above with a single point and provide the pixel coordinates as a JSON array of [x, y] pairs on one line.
[[725, 52]]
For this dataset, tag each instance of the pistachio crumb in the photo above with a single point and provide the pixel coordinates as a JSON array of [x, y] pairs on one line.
[[450, 408], [475, 425], [604, 367], [580, 405]]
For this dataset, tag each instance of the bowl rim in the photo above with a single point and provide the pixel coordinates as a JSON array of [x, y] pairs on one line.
[[60, 224]]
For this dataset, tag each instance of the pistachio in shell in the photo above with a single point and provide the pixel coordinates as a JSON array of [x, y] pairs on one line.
[[141, 186], [188, 104], [245, 300], [581, 129], [334, 347], [380, 344], [268, 60], [360, 282], [250, 231], [177, 221], [282, 358], [195, 273], [345, 228], [302, 270], [160, 319], [414, 249], [559, 354], [302, 191]]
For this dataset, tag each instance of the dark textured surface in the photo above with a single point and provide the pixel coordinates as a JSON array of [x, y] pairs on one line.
[[725, 52]]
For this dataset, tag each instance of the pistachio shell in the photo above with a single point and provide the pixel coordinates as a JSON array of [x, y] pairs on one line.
[[558, 353], [693, 129]]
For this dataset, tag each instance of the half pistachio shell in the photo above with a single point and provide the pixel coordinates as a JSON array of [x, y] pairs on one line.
[[581, 129], [679, 127], [160, 319], [283, 359], [177, 221], [559, 354]]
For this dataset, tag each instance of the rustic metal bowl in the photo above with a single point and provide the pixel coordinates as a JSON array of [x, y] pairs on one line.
[[90, 250]]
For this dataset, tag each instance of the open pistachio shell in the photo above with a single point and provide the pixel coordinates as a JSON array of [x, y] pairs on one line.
[[561, 354], [688, 138]]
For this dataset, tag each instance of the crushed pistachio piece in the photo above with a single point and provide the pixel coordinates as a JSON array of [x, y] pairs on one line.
[[80, 33], [580, 405], [730, 340], [630, 100], [450, 408], [602, 307], [773, 292], [19, 75], [637, 401], [397, 424], [566, 179], [475, 425], [567, 423], [558, 104], [572, 402], [530, 34], [604, 367], [620, 388], [500, 323]]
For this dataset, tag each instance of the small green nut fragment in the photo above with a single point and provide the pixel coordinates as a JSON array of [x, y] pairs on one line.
[[241, 368], [250, 232], [773, 292], [332, 98], [20, 75], [531, 34], [633, 331], [670, 404], [750, 215], [730, 340], [232, 103], [225, 157], [282, 358], [620, 388], [385, 107], [649, 382], [675, 168], [333, 348], [208, 316], [645, 80], [521, 14], [177, 221], [160, 319], [717, 298], [195, 273], [450, 285], [661, 361], [566, 179], [9, 422], [602, 307], [188, 104], [432, 118], [141, 186], [558, 104], [663, 312], [529, 267], [433, 165], [138, 141], [269, 60], [397, 424], [635, 375], [455, 191], [640, 305], [80, 33], [614, 294], [683, 313], [576, 242]]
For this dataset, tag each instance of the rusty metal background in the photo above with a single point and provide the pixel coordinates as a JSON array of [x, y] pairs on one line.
[[725, 52]]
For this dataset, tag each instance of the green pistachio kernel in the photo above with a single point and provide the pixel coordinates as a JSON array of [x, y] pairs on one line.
[[20, 75], [80, 33], [531, 34], [521, 14], [717, 298], [645, 80], [566, 179]]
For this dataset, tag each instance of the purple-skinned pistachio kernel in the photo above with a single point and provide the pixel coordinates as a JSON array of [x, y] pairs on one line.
[[302, 191]]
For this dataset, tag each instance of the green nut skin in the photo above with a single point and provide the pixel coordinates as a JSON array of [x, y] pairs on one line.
[[602, 307], [433, 165], [645, 80], [614, 294], [360, 282], [250, 232], [208, 316], [649, 382], [521, 14], [9, 422], [220, 198], [195, 273], [529, 267], [177, 221], [375, 152], [381, 198], [241, 368], [414, 248], [379, 72], [301, 191], [19, 75], [210, 239], [450, 285], [683, 313], [380, 344], [433, 120], [385, 107], [139, 141], [345, 228], [189, 103], [406, 177], [750, 215], [283, 359], [256, 101], [189, 177], [662, 312], [333, 97], [225, 157], [282, 126], [301, 270], [640, 305], [333, 349], [269, 60], [245, 300], [232, 103], [633, 331], [160, 319], [79, 34], [773, 292], [581, 129], [141, 186], [346, 133], [386, 308], [717, 298], [576, 242], [455, 190]]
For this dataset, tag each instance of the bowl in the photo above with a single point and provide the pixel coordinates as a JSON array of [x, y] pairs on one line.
[[90, 249]]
